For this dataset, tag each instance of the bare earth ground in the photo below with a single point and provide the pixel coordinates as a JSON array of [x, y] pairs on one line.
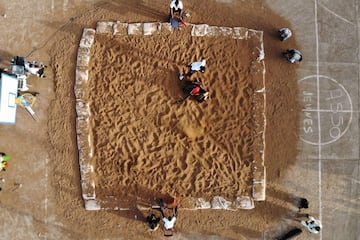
[[44, 154]]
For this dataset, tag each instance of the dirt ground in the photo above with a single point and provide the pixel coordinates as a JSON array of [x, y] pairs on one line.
[[48, 203]]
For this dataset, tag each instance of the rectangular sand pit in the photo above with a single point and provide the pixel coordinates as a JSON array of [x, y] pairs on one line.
[[137, 143]]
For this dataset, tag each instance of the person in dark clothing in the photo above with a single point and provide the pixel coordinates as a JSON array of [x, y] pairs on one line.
[[195, 88], [302, 203], [293, 55], [153, 222]]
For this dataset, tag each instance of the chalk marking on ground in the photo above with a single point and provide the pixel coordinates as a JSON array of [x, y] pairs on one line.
[[65, 5], [46, 192], [318, 106], [311, 63], [353, 180], [336, 15], [318, 110], [339, 63], [329, 111], [357, 8]]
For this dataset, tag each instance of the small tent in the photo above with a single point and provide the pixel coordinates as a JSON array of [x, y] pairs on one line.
[[8, 95]]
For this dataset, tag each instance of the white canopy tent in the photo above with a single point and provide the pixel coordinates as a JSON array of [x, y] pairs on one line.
[[8, 95]]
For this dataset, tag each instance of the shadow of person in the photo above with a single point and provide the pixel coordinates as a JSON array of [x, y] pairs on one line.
[[289, 234], [71, 27], [247, 232], [298, 202], [136, 6], [5, 58]]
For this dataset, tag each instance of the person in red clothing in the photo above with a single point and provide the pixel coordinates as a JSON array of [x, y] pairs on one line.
[[195, 88]]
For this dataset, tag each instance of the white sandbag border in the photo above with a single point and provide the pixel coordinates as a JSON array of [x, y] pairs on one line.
[[84, 138], [259, 174], [150, 28], [120, 28], [204, 30]]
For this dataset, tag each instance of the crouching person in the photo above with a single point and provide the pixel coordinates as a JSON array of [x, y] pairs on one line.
[[35, 68]]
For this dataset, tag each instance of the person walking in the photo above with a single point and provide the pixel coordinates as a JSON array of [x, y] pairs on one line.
[[193, 68], [293, 55], [312, 224], [285, 34]]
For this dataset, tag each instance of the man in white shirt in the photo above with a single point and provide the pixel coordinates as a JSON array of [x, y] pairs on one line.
[[35, 68], [193, 68], [285, 33], [176, 6], [313, 225], [169, 222]]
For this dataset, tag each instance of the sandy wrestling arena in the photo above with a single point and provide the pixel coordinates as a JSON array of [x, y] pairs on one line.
[[145, 141], [51, 191]]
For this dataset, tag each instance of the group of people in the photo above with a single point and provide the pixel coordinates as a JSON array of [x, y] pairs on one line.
[[292, 55], [3, 164], [312, 224], [21, 69], [153, 220], [194, 87], [3, 161], [33, 68], [176, 15], [169, 221]]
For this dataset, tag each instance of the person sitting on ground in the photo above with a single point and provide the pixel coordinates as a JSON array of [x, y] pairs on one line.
[[153, 222], [169, 222], [193, 68], [313, 225], [285, 33], [293, 55], [176, 6]]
